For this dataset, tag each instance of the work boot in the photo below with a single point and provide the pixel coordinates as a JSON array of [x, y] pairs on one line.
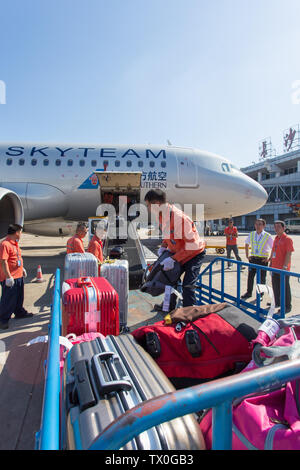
[[246, 296], [158, 307], [24, 315]]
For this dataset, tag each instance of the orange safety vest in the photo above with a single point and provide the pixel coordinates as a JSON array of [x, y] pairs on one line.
[[180, 235], [75, 245], [95, 247]]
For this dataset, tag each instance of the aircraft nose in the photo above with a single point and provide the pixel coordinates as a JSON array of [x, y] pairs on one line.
[[254, 195]]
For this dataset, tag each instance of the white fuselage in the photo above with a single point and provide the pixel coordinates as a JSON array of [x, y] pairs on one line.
[[57, 180]]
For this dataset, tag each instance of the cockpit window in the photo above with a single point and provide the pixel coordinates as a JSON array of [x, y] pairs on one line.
[[225, 167]]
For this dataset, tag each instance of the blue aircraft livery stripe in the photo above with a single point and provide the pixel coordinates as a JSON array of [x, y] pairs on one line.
[[91, 182]]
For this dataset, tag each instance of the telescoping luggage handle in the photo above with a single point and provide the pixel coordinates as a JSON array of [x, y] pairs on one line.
[[84, 281], [115, 367]]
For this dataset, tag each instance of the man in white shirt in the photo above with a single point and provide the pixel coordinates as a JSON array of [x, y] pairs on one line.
[[261, 243]]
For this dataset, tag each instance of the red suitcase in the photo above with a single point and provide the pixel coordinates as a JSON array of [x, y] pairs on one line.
[[90, 304]]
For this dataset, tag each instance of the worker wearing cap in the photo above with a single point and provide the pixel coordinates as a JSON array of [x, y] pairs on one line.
[[12, 275], [75, 243], [181, 238]]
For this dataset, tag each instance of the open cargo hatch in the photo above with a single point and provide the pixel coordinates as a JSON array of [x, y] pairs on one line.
[[122, 182]]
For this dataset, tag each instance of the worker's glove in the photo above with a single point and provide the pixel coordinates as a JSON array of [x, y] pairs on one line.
[[161, 250], [24, 272], [168, 264], [9, 282]]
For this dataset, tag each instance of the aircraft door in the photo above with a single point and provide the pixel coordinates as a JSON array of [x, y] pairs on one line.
[[187, 170]]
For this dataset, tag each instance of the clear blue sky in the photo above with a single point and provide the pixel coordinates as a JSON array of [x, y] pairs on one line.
[[214, 74]]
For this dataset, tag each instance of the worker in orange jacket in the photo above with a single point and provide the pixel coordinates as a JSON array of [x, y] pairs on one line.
[[75, 243], [181, 238], [96, 245]]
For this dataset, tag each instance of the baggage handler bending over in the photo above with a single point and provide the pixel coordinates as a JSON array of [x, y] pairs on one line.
[[281, 259], [261, 245], [12, 275], [75, 243], [188, 249]]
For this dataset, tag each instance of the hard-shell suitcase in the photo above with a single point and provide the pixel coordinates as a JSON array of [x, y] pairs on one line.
[[80, 264], [89, 305], [117, 274], [103, 379]]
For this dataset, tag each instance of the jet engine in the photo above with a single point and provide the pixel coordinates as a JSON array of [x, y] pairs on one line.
[[11, 210]]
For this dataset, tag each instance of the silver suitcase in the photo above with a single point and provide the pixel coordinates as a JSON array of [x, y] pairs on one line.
[[117, 274], [80, 265], [107, 376]]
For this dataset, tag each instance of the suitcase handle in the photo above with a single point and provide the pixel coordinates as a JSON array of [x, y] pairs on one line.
[[108, 386], [84, 281]]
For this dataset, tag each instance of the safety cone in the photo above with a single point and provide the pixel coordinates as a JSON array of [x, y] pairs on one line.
[[39, 275]]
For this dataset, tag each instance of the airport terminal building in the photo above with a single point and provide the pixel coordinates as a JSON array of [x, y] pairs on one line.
[[280, 176]]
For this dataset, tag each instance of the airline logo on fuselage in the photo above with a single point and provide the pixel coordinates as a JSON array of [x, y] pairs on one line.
[[102, 152]]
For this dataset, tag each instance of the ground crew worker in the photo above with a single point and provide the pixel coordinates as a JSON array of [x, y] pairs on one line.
[[12, 275], [181, 238], [96, 245], [108, 198], [75, 243], [261, 243], [231, 234], [281, 259]]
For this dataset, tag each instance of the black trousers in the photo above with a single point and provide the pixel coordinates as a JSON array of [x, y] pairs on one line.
[[234, 248], [191, 269], [277, 293], [252, 272], [12, 300]]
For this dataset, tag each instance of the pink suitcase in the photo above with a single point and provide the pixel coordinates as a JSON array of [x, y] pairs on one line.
[[90, 304]]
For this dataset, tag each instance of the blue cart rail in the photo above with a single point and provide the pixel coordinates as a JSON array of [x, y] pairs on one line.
[[208, 293], [48, 438], [217, 394]]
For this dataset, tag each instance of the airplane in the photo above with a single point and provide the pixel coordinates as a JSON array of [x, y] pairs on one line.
[[48, 187]]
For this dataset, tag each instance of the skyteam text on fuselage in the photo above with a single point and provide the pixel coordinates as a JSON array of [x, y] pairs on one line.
[[49, 185]]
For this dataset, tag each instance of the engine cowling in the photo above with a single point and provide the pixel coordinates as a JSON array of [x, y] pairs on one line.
[[11, 210]]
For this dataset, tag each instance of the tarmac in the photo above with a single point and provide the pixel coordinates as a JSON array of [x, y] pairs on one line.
[[22, 366]]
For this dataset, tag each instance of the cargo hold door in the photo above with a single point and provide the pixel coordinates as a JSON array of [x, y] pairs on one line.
[[120, 182]]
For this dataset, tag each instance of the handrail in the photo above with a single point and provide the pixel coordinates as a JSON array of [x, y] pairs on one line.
[[49, 437], [217, 395], [220, 295]]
